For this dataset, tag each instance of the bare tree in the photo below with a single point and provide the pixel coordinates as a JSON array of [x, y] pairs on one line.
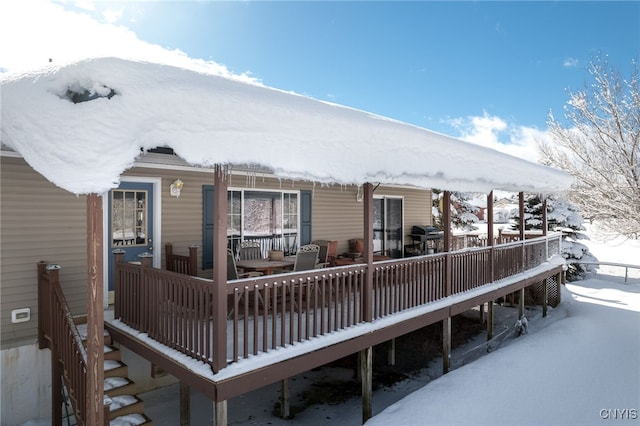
[[600, 148]]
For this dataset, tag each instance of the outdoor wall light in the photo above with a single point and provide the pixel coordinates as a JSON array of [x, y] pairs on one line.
[[176, 187]]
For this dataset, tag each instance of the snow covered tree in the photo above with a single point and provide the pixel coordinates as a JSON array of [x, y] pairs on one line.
[[562, 216], [463, 214], [600, 147]]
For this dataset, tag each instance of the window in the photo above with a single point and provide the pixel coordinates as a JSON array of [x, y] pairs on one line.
[[129, 217], [268, 217]]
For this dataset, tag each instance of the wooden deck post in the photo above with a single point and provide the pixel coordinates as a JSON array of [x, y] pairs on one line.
[[220, 269], [545, 227], [490, 219], [220, 409], [367, 294], [193, 259], [95, 313], [366, 369], [285, 406], [521, 303], [56, 388], [521, 214], [446, 220], [545, 223], [490, 320], [446, 345], [391, 360], [446, 243], [490, 243], [481, 313], [185, 404]]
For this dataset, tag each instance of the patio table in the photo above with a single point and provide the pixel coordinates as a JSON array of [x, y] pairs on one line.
[[265, 266]]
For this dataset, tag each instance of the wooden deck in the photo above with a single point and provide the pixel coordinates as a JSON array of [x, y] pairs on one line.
[[281, 325]]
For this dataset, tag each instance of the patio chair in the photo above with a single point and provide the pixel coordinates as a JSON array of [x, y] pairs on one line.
[[232, 271], [327, 253], [306, 258], [233, 274], [250, 250]]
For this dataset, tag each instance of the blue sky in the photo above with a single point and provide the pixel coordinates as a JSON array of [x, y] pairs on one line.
[[474, 70]]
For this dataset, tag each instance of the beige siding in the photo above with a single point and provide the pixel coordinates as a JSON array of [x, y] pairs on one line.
[[338, 216], [42, 222], [38, 222]]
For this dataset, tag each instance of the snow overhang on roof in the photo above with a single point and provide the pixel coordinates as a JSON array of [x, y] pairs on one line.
[[83, 124]]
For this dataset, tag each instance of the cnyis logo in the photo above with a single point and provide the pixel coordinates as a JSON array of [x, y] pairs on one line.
[[619, 413]]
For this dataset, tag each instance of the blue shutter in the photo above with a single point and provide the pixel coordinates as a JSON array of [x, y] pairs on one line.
[[207, 226], [305, 217]]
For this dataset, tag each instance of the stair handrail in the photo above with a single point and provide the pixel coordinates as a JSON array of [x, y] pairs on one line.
[[61, 336]]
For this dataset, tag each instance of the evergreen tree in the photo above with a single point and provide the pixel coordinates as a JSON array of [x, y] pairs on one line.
[[463, 214], [562, 216]]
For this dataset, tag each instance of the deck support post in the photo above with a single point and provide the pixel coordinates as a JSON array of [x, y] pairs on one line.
[[392, 352], [367, 294], [95, 313], [366, 370], [56, 389], [185, 404], [490, 236], [490, 320], [481, 313], [446, 244], [446, 220], [521, 303], [489, 219], [446, 345], [285, 407], [220, 409], [221, 184]]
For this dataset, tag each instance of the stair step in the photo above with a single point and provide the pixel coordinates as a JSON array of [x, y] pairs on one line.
[[124, 404], [114, 386], [111, 352], [114, 368], [131, 420], [82, 330]]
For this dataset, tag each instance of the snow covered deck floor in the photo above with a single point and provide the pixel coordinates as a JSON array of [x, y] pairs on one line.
[[270, 346]]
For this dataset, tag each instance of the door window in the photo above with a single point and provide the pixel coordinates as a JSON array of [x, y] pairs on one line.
[[387, 226], [128, 218]]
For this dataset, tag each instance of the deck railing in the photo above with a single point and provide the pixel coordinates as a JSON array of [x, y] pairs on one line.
[[58, 332], [270, 312]]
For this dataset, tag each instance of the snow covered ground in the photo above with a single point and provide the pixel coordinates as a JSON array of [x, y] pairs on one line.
[[578, 366]]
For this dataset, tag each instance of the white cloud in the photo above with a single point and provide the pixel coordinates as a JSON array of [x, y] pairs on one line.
[[41, 29], [112, 16], [570, 62], [496, 133]]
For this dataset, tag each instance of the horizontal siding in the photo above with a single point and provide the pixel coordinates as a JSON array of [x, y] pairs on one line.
[[38, 222], [42, 222]]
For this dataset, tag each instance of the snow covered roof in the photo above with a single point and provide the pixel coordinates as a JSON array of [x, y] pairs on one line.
[[81, 125]]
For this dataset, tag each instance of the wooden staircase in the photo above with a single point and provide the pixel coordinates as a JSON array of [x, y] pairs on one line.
[[125, 408]]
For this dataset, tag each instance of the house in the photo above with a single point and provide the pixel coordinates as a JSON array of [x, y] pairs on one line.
[[109, 154]]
